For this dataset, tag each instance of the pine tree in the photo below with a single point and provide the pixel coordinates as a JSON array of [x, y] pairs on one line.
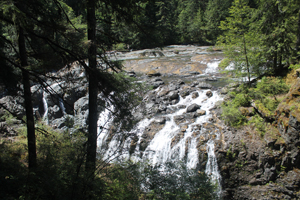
[[241, 44]]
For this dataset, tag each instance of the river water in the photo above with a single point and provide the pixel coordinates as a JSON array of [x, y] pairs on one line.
[[160, 149]]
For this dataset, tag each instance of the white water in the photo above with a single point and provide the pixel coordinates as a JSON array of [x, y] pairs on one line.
[[212, 68], [212, 166], [45, 115], [159, 150], [62, 106]]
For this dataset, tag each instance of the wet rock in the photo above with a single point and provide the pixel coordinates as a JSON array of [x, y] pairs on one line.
[[153, 73], [156, 84], [173, 86], [173, 95], [204, 85], [58, 123], [211, 79], [131, 74], [14, 105], [255, 181], [54, 112], [199, 113], [163, 92], [195, 95], [192, 108], [179, 119], [161, 120], [224, 91], [175, 101], [181, 106], [183, 128], [81, 105], [176, 139], [209, 94], [133, 144], [185, 91]]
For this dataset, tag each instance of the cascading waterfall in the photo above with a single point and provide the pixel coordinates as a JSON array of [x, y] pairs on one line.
[[45, 115], [212, 166], [159, 150], [104, 121], [62, 106], [212, 67]]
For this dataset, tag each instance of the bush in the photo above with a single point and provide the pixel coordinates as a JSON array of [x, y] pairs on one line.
[[231, 115], [271, 86]]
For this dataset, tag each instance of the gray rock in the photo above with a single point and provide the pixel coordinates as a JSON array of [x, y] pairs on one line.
[[199, 113], [173, 86], [81, 104], [157, 84], [14, 105], [54, 112], [203, 85], [192, 108], [209, 94], [173, 95], [195, 95], [161, 120], [58, 123]]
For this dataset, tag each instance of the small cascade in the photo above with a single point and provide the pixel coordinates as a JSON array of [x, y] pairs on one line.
[[212, 67], [62, 106], [45, 115], [212, 166], [104, 120]]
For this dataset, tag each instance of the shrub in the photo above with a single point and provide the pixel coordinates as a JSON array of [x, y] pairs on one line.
[[231, 115], [271, 86]]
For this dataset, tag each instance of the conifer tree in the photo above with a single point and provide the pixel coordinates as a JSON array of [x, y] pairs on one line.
[[240, 42]]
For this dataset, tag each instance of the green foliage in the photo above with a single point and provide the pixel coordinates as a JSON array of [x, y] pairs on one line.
[[271, 86], [240, 42], [120, 47], [231, 115], [176, 182], [8, 118], [264, 95], [259, 124]]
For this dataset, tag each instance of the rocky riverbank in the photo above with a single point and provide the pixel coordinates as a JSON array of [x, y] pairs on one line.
[[179, 115]]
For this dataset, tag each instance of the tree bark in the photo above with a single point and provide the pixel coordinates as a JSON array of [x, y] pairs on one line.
[[28, 103], [298, 38], [247, 62], [93, 90]]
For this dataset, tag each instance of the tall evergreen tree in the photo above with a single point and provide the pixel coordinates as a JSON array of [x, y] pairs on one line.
[[241, 44]]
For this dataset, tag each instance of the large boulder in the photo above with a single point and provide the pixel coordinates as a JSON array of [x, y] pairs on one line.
[[14, 105], [173, 95], [204, 85], [192, 108]]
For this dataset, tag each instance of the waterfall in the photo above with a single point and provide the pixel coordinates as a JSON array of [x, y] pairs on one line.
[[212, 67], [62, 106], [45, 115], [104, 121], [212, 166]]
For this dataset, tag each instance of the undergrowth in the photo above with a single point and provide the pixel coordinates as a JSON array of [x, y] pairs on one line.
[[61, 173], [265, 96]]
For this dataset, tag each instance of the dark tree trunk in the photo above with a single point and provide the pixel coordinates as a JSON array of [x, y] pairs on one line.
[[298, 38], [93, 90], [28, 102]]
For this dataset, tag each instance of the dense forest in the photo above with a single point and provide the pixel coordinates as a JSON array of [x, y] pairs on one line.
[[259, 38]]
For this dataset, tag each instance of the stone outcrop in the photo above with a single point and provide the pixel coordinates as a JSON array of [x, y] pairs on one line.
[[255, 166]]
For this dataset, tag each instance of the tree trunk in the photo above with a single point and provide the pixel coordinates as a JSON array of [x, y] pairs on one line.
[[28, 102], [247, 62], [298, 38], [93, 90]]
